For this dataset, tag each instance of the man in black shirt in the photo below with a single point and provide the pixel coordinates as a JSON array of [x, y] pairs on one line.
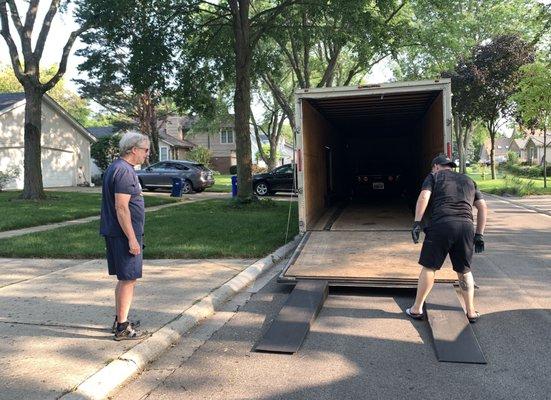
[[449, 230]]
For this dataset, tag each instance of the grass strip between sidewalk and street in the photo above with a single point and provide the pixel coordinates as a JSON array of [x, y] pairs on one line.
[[57, 207], [207, 229]]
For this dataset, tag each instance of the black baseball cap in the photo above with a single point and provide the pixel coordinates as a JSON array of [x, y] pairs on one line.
[[443, 160]]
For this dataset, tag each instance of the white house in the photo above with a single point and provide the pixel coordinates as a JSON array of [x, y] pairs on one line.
[[534, 150], [65, 143]]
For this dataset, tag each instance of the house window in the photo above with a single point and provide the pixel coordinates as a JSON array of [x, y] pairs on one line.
[[163, 154], [226, 135]]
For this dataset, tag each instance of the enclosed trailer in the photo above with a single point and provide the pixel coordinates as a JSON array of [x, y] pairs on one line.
[[362, 154]]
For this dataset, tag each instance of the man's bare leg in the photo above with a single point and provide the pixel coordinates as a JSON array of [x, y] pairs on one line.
[[117, 298], [424, 286], [466, 283], [125, 293]]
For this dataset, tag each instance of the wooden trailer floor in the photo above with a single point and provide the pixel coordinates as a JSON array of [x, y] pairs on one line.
[[365, 244]]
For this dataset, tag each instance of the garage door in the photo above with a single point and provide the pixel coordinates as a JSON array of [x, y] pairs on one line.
[[58, 168]]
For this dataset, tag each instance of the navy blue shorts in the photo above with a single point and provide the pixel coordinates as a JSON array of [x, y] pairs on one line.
[[120, 262], [455, 238]]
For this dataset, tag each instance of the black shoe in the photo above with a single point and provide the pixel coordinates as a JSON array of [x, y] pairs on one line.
[[473, 320], [128, 333], [134, 324]]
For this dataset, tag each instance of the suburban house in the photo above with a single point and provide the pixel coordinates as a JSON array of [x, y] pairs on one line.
[[501, 148], [519, 147], [65, 143], [534, 149], [172, 142]]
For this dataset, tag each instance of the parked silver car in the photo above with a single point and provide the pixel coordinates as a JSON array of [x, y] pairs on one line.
[[196, 177]]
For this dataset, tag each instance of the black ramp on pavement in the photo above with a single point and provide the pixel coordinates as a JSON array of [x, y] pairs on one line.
[[454, 338], [291, 326]]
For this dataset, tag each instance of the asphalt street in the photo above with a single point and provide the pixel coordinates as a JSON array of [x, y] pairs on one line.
[[362, 346]]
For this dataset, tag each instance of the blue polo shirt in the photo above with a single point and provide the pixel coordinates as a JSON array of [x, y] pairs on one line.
[[120, 177]]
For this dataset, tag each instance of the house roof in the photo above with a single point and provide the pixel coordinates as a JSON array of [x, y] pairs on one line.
[[521, 143], [9, 101], [102, 131], [501, 145], [538, 141], [176, 142]]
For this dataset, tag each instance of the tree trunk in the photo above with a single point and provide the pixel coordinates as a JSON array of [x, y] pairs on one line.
[[33, 188], [242, 100], [492, 149], [147, 123], [545, 156]]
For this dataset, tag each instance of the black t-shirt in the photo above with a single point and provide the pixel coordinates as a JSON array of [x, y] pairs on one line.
[[452, 198]]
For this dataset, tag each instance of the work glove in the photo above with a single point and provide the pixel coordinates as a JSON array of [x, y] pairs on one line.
[[416, 231], [478, 242]]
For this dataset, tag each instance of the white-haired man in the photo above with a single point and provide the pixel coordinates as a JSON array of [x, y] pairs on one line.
[[122, 225]]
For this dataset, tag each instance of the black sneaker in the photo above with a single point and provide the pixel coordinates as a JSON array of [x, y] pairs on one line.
[[129, 333], [134, 324]]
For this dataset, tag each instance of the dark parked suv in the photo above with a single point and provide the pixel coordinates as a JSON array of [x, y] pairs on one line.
[[196, 177], [278, 180]]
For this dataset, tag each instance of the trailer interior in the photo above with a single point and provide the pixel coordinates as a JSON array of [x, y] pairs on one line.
[[364, 159]]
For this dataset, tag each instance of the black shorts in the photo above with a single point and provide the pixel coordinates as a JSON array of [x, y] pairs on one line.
[[120, 262], [455, 238]]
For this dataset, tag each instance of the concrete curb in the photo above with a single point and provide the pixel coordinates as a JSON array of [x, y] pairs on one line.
[[525, 206], [116, 373]]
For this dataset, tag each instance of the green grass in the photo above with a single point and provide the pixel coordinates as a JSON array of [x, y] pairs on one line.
[[57, 207], [222, 183], [515, 186], [207, 229]]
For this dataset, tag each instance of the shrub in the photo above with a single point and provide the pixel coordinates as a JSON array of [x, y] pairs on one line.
[[105, 151], [512, 158], [201, 155], [7, 176], [258, 170]]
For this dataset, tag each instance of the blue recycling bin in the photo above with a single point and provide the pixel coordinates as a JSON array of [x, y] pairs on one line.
[[177, 185], [234, 186]]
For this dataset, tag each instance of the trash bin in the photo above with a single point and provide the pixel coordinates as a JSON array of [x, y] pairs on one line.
[[234, 186], [177, 184]]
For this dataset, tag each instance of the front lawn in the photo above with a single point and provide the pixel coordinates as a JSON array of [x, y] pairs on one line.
[[222, 183], [207, 229], [57, 207], [512, 185]]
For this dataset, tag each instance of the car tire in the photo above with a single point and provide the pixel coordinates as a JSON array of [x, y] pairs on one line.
[[187, 187], [199, 190], [144, 188], [261, 189]]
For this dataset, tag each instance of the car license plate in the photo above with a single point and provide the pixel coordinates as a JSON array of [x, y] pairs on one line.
[[378, 185]]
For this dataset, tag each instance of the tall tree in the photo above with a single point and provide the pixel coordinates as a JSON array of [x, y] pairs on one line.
[[446, 31], [28, 74], [497, 65], [129, 59], [534, 100], [271, 126], [465, 91], [324, 43], [239, 25]]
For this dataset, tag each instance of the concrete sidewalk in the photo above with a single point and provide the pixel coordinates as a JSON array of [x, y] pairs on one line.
[[56, 315], [41, 228], [540, 204]]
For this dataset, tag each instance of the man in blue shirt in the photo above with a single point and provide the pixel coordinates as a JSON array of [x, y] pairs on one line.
[[449, 229], [122, 225]]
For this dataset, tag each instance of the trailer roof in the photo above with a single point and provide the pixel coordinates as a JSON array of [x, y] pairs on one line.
[[406, 86]]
